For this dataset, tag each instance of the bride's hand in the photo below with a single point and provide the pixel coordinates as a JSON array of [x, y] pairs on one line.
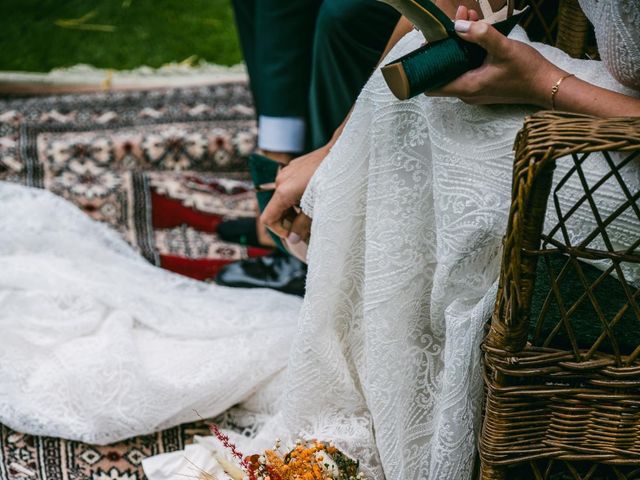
[[513, 72], [291, 183]]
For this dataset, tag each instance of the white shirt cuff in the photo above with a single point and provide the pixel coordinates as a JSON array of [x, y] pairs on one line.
[[281, 134]]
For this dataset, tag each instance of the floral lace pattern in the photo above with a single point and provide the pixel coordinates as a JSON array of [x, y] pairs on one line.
[[408, 214], [616, 25]]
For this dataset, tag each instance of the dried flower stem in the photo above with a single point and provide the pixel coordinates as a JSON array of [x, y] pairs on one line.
[[224, 439]]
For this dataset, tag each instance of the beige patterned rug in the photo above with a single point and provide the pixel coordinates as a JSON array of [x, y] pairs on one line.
[[28, 457], [164, 168]]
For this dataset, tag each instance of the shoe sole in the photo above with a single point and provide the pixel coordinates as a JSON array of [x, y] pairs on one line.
[[288, 291], [432, 27]]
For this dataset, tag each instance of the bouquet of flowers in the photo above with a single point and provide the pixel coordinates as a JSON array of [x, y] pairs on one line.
[[307, 460]]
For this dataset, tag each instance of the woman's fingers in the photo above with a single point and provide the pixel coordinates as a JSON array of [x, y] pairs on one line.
[[290, 185], [481, 33], [464, 13], [464, 85], [300, 229]]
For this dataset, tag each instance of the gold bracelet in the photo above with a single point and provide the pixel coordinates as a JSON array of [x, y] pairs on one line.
[[556, 88]]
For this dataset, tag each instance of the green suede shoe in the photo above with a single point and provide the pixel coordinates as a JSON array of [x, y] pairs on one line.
[[446, 56]]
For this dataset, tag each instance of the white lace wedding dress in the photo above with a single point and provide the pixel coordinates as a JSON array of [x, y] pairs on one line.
[[409, 209], [98, 345]]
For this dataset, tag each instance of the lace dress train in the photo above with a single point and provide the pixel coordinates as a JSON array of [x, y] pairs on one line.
[[409, 209], [98, 345]]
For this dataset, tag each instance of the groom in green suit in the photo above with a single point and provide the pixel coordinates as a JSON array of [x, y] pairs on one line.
[[307, 62]]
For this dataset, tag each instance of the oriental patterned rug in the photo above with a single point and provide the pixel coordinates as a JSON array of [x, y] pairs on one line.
[[28, 457], [163, 168]]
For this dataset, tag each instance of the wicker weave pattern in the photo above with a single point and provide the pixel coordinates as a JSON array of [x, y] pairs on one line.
[[578, 404], [542, 22], [558, 22], [553, 413]]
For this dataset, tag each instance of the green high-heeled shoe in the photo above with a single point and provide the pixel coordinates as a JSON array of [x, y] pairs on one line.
[[445, 56]]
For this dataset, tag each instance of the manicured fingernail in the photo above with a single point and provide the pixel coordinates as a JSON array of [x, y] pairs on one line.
[[293, 238], [462, 26]]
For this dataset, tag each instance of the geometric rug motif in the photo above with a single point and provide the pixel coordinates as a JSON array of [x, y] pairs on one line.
[[44, 458], [28, 457], [162, 167]]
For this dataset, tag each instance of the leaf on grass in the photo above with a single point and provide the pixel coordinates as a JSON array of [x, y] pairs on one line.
[[90, 27], [190, 61], [82, 19], [81, 23]]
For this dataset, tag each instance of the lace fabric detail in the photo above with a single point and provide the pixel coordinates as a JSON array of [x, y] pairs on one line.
[[409, 209], [618, 35], [98, 345]]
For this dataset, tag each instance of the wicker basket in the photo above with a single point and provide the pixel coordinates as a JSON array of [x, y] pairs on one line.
[[560, 23], [546, 404], [572, 412]]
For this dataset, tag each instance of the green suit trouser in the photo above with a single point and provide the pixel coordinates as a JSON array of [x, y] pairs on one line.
[[309, 59]]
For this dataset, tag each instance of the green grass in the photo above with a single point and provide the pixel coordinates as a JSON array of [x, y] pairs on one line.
[[38, 35]]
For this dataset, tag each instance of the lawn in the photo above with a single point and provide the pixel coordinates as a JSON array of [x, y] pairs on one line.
[[38, 35]]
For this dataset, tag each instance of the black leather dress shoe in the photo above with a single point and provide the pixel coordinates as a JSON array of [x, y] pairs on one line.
[[240, 230], [277, 271]]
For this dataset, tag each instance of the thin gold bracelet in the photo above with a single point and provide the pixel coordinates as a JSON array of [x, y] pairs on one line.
[[556, 88]]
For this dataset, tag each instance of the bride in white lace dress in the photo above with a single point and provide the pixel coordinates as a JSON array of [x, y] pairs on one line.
[[408, 211]]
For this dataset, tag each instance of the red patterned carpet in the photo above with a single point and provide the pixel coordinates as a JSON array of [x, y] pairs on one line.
[[163, 168]]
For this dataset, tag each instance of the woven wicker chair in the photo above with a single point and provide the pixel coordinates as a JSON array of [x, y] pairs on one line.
[[569, 411]]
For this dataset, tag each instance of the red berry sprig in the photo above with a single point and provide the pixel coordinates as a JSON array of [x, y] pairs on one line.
[[224, 439]]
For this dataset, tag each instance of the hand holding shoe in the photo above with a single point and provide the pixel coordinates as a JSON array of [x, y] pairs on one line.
[[512, 73]]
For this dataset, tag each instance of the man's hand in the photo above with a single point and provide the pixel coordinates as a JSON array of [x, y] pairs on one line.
[[291, 183]]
